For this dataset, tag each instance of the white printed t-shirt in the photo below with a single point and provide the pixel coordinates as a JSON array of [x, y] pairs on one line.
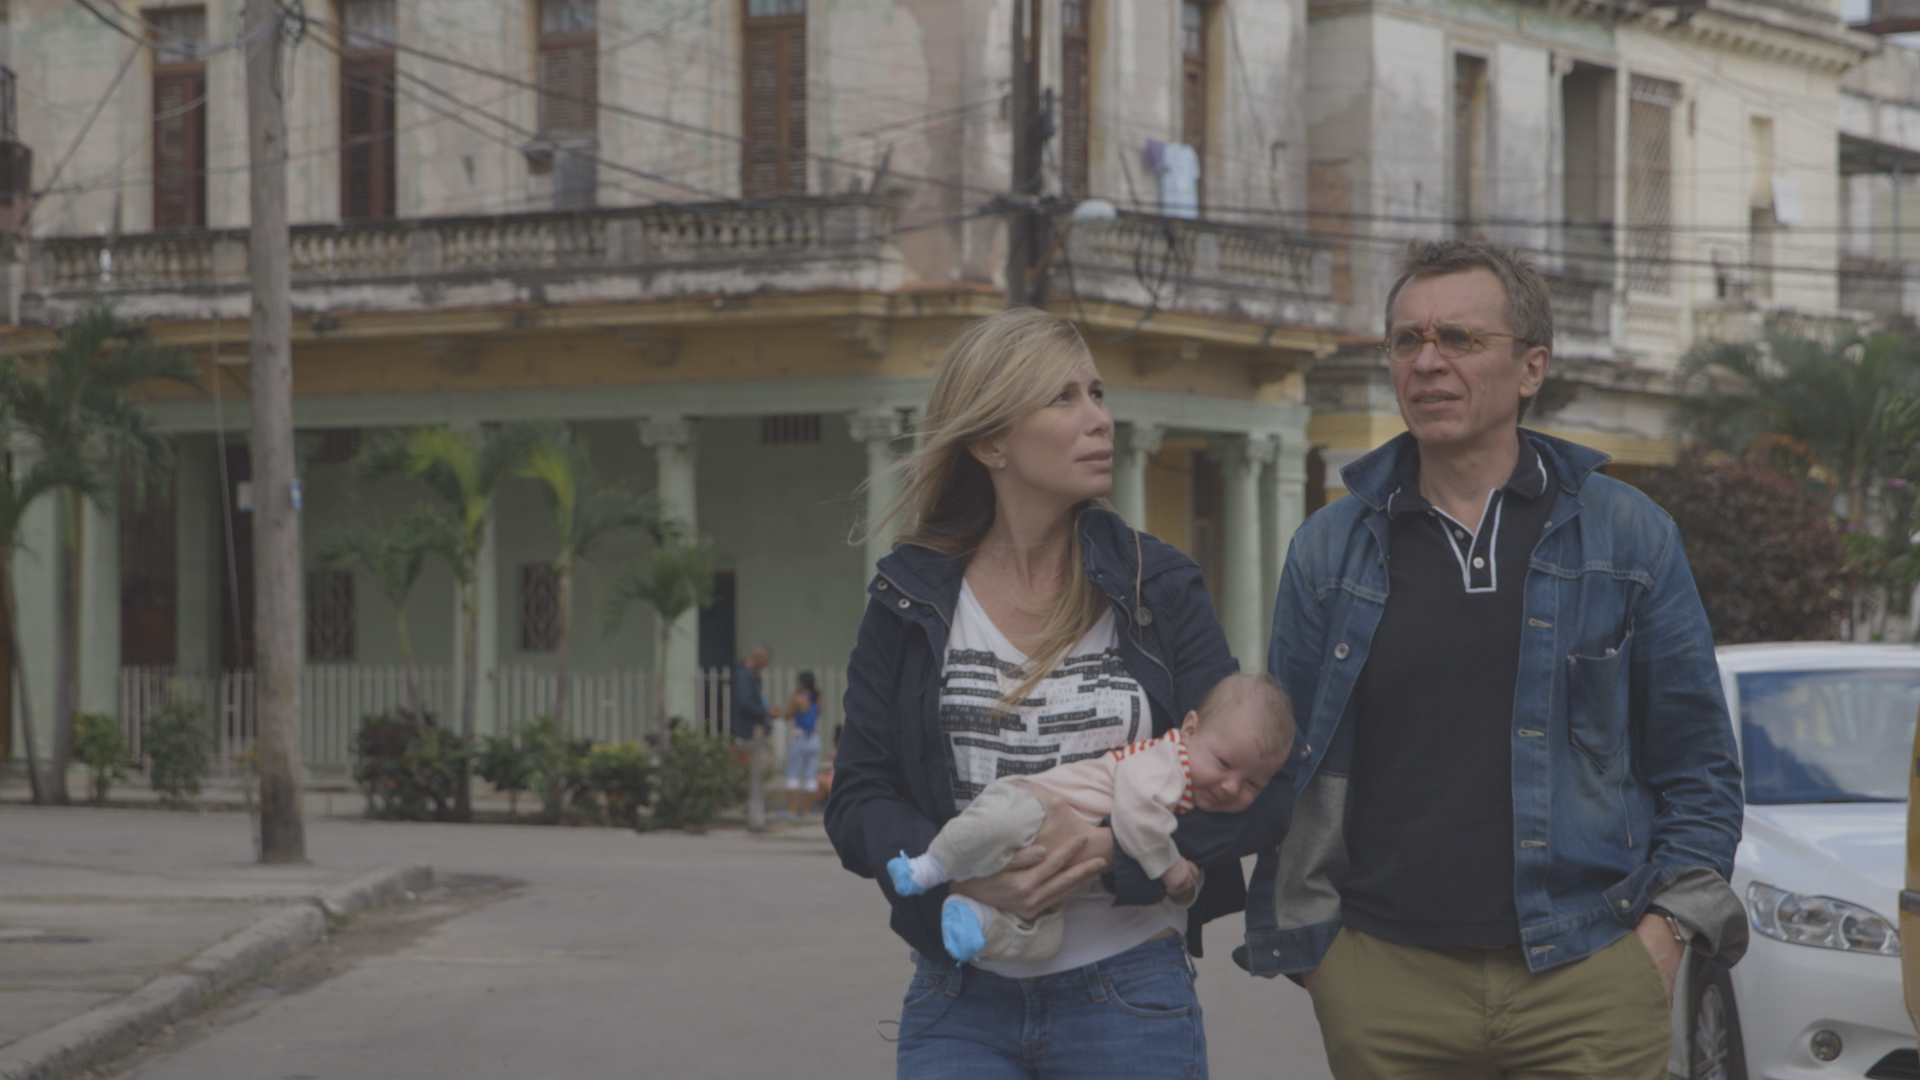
[[1086, 707]]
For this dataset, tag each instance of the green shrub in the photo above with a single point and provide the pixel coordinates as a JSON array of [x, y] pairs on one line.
[[175, 739], [408, 767], [508, 763], [98, 744], [555, 766], [699, 775], [620, 775]]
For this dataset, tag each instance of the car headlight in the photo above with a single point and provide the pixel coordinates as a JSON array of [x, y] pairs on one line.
[[1820, 921]]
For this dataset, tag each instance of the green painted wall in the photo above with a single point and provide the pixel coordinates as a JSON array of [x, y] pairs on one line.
[[779, 516]]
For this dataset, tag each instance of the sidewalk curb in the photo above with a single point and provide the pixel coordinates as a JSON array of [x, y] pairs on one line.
[[113, 1028], [374, 888]]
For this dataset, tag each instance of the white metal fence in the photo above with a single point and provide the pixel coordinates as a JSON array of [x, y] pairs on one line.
[[332, 701], [614, 706]]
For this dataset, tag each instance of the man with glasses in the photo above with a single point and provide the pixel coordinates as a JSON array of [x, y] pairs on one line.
[[1519, 798]]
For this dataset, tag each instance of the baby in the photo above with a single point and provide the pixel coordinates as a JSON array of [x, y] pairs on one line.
[[1219, 758]]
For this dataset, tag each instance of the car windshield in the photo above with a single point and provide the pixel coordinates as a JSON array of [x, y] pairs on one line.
[[1828, 736]]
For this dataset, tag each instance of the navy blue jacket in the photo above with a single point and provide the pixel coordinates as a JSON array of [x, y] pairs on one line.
[[749, 704], [893, 774]]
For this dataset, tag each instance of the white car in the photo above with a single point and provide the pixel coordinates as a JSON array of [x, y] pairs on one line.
[[1826, 734]]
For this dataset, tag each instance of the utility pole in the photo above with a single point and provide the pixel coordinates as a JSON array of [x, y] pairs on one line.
[[1030, 132], [277, 620]]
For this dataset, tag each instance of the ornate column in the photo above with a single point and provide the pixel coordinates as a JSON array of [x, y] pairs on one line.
[[99, 609], [1133, 445], [1288, 502], [671, 438], [881, 431], [36, 597], [1241, 458]]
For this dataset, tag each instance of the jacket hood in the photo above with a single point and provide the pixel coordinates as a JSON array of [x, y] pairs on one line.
[[1374, 476]]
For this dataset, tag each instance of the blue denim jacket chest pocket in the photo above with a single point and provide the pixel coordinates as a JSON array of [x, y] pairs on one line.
[[1618, 717]]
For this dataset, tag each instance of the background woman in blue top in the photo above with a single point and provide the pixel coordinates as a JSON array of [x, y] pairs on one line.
[[1019, 623], [803, 749]]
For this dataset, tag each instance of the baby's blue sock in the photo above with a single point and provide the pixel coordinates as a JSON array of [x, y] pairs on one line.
[[914, 875], [960, 929]]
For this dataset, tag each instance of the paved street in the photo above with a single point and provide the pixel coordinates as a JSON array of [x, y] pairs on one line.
[[624, 955]]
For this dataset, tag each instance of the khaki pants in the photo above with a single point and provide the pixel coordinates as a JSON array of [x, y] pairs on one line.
[[1389, 1012]]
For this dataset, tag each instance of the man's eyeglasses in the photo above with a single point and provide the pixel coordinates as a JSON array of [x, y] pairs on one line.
[[1451, 342]]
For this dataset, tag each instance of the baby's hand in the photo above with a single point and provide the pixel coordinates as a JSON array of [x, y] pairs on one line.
[[1181, 880]]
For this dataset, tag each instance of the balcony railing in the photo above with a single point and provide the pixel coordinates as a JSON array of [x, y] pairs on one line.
[[1582, 316], [1148, 261], [608, 254], [1873, 285]]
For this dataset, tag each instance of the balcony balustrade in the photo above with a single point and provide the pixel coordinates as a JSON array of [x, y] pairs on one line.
[[610, 254], [1582, 316], [1174, 264], [1876, 286]]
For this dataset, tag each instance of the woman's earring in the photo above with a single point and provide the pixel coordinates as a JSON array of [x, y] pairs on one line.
[[999, 464]]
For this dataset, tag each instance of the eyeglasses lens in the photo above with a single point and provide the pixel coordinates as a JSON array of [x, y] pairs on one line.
[[1451, 342]]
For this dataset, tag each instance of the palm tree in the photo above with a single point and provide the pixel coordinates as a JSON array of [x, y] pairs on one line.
[[675, 579], [393, 557], [462, 472], [1820, 401], [584, 518], [80, 410], [17, 493]]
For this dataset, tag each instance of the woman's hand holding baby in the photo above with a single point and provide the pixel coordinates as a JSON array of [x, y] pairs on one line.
[[1067, 853]]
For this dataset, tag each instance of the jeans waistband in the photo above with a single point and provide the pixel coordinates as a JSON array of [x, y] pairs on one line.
[[1158, 952]]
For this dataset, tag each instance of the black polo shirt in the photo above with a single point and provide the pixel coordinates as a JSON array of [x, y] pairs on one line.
[[1430, 825]]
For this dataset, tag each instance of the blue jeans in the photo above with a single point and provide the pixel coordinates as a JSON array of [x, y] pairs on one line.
[[1132, 1016]]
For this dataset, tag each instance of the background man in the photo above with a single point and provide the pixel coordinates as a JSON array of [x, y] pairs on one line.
[[1520, 799], [749, 723]]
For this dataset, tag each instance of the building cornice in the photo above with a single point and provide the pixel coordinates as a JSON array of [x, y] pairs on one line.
[[1779, 31]]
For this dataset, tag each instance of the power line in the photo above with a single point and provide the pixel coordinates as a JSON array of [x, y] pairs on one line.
[[670, 122]]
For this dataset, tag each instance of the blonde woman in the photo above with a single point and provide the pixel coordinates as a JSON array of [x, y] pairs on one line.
[[1019, 624]]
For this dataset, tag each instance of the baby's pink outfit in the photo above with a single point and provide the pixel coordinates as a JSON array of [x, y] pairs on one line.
[[1139, 787]]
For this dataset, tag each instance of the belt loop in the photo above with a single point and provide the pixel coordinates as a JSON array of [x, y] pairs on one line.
[[959, 981], [1096, 986]]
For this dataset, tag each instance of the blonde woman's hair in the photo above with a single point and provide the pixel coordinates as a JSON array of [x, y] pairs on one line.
[[998, 370]]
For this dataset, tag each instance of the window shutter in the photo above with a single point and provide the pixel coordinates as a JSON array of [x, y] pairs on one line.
[[1076, 79], [773, 159], [569, 84], [367, 175], [1193, 84], [179, 148], [1649, 182]]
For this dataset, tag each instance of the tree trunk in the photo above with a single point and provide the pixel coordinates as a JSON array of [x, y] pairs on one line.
[[661, 655], [66, 644], [414, 701], [276, 520], [19, 675], [469, 694], [560, 695]]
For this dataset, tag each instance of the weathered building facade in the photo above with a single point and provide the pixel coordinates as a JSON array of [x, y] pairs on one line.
[[1670, 166], [723, 239]]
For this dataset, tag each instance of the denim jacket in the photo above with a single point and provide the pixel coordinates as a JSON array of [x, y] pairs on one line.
[[1626, 784], [893, 772]]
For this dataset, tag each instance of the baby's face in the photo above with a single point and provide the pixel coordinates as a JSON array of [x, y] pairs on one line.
[[1227, 766]]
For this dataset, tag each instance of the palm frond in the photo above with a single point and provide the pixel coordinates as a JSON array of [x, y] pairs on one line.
[[675, 579]]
